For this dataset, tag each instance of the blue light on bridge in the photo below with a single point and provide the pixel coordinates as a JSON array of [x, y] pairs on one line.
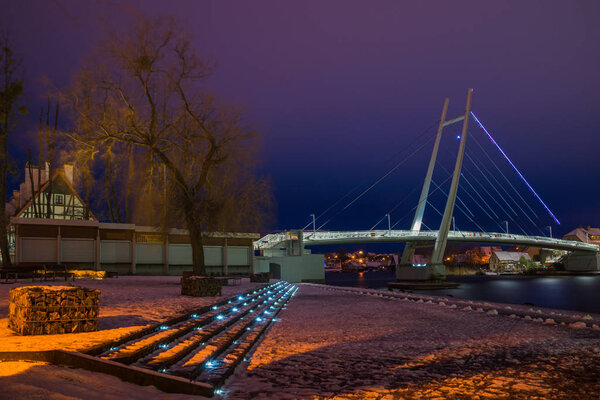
[[515, 168]]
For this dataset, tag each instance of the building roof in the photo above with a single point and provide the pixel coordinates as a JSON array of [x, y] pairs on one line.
[[57, 175], [511, 255], [580, 234]]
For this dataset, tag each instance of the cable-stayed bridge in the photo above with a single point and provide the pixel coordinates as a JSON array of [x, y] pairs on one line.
[[485, 190]]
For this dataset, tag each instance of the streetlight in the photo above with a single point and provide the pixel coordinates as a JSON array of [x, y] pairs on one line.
[[314, 223], [454, 223], [389, 223], [506, 222], [550, 229]]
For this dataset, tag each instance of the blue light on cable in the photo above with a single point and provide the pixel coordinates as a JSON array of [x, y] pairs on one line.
[[515, 168]]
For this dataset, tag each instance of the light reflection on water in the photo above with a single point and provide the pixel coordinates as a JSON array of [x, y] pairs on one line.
[[580, 293]]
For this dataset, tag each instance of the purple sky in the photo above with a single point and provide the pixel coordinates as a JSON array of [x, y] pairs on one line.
[[338, 87]]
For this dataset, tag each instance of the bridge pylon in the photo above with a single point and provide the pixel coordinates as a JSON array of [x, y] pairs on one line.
[[435, 268]]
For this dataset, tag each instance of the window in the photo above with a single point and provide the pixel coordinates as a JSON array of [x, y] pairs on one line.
[[59, 199]]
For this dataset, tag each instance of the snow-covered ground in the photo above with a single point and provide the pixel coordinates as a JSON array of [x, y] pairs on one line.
[[340, 343], [343, 343], [127, 304]]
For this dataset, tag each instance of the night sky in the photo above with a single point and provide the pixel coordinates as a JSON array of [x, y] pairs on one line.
[[339, 88]]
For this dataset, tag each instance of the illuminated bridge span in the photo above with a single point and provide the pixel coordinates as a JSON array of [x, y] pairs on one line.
[[311, 238], [486, 195]]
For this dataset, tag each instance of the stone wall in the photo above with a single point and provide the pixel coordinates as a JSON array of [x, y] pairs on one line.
[[39, 310]]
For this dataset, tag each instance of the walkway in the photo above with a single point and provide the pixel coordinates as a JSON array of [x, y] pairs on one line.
[[334, 343]]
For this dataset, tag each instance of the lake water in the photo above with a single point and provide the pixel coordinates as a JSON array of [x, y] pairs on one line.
[[581, 293]]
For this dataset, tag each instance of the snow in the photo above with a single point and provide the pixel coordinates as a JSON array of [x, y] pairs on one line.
[[127, 303], [332, 342], [341, 343]]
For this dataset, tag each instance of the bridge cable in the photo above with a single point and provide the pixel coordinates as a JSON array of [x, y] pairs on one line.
[[504, 176], [395, 167], [515, 168], [499, 205], [396, 206], [415, 207], [486, 191], [491, 210], [490, 183], [404, 149], [476, 164], [460, 208], [476, 192], [508, 215]]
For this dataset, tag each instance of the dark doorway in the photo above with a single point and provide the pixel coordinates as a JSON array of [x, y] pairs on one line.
[[275, 270]]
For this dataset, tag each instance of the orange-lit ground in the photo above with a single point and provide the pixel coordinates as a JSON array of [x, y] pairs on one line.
[[331, 344], [126, 304]]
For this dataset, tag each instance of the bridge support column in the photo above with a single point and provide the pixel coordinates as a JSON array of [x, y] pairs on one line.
[[409, 249], [436, 268], [442, 238]]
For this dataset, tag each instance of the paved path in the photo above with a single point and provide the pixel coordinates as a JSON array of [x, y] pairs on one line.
[[334, 344]]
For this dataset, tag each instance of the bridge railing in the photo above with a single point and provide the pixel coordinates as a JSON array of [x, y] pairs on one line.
[[273, 240]]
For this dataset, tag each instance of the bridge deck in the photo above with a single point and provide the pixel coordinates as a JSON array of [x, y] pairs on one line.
[[393, 236]]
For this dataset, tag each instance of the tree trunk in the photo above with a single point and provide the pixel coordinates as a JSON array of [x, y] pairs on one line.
[[197, 249], [130, 154], [6, 263]]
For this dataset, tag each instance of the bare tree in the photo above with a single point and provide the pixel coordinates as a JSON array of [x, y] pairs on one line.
[[148, 94], [11, 89]]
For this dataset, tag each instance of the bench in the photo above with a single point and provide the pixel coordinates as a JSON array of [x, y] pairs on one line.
[[57, 269], [24, 271]]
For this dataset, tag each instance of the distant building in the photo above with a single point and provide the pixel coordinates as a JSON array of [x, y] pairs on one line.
[[586, 235], [31, 200], [501, 261]]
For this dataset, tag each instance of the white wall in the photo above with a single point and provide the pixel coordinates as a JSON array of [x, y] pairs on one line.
[[115, 251], [38, 250], [78, 250], [149, 253]]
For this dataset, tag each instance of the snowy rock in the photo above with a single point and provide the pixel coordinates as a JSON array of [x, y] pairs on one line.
[[492, 312], [577, 325], [549, 321]]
